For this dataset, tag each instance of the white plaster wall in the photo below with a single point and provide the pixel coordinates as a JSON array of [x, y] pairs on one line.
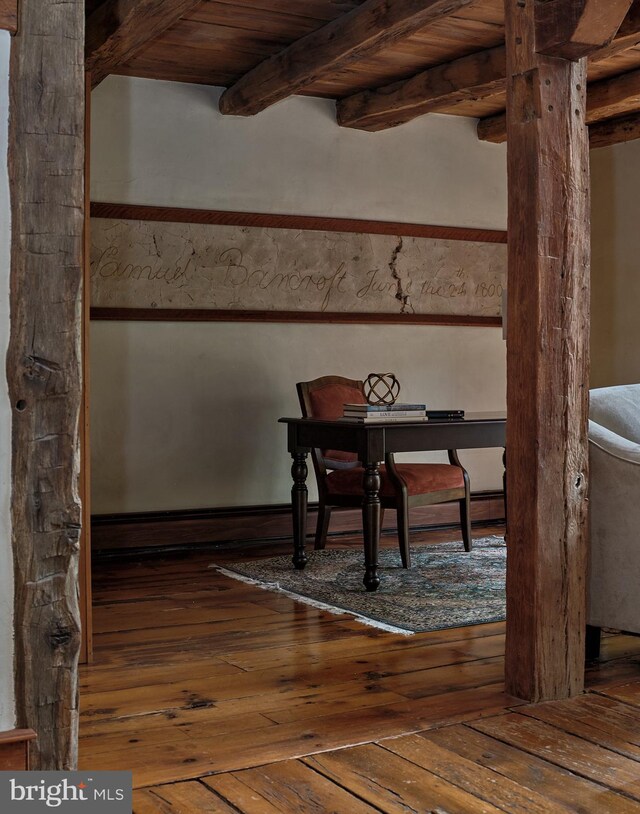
[[7, 716], [615, 269], [184, 415]]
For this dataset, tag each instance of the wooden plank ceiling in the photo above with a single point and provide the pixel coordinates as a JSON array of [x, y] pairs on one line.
[[427, 56]]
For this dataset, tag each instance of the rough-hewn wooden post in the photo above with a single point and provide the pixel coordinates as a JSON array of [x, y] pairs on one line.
[[547, 364], [46, 148]]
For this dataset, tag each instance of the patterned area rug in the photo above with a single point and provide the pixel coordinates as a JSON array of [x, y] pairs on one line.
[[446, 587]]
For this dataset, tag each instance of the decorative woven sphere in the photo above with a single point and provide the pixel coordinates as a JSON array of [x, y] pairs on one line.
[[381, 388]]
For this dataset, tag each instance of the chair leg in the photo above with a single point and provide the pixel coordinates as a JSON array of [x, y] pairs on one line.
[[403, 534], [593, 643], [381, 518], [465, 522], [322, 527]]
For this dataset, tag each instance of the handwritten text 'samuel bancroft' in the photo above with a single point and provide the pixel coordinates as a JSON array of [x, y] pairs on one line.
[[149, 264]]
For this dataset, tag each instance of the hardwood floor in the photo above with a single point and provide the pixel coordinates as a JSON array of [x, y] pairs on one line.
[[222, 697]]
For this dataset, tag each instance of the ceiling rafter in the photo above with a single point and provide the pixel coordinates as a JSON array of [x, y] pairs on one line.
[[614, 131], [367, 29], [476, 76], [118, 29]]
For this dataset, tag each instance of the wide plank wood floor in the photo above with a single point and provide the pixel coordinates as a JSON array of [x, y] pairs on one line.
[[222, 697]]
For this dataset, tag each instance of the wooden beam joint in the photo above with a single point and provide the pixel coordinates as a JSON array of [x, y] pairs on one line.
[[572, 29]]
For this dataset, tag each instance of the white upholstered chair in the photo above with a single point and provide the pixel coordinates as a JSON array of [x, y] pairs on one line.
[[614, 453]]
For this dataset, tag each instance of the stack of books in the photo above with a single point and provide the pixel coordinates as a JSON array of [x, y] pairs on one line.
[[370, 413]]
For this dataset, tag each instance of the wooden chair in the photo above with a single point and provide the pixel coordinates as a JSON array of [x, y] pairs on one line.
[[339, 474]]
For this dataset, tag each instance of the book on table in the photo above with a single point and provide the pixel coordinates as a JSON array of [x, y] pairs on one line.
[[386, 416], [395, 419], [445, 415], [372, 413], [384, 408]]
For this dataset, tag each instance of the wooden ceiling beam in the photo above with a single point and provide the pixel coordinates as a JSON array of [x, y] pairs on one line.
[[611, 97], [118, 29], [572, 29], [476, 76], [369, 28], [614, 131], [493, 128]]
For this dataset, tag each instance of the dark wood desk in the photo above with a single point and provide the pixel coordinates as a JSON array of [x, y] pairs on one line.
[[373, 443]]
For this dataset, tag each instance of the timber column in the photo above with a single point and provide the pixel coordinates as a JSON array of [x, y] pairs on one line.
[[547, 363], [46, 154]]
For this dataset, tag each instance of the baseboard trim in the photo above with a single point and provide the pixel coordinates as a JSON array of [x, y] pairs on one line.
[[14, 749], [111, 532]]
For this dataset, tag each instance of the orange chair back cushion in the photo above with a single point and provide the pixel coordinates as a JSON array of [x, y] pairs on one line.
[[328, 402]]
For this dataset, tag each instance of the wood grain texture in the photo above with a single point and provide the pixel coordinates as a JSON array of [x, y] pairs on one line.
[[439, 88], [43, 365], [9, 15], [228, 315], [547, 366], [14, 749], [118, 29], [361, 33], [606, 99], [196, 673], [614, 131], [562, 789], [86, 649], [588, 760], [571, 29], [220, 41], [494, 128], [613, 97]]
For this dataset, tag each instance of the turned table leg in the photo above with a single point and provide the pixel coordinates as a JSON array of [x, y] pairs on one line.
[[371, 525], [299, 507]]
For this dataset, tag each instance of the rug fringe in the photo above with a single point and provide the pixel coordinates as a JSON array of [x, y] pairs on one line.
[[314, 603]]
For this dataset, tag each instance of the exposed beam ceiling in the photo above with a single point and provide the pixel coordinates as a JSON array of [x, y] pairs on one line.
[[361, 33], [118, 29], [367, 46], [478, 75], [475, 77], [572, 29]]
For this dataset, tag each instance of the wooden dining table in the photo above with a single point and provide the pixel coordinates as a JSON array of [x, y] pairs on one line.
[[373, 443]]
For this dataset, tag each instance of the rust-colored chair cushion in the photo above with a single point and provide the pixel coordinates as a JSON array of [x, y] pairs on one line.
[[420, 479], [328, 402]]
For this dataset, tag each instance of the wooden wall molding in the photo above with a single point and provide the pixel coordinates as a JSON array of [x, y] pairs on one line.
[[306, 222], [336, 317], [14, 749], [251, 523]]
